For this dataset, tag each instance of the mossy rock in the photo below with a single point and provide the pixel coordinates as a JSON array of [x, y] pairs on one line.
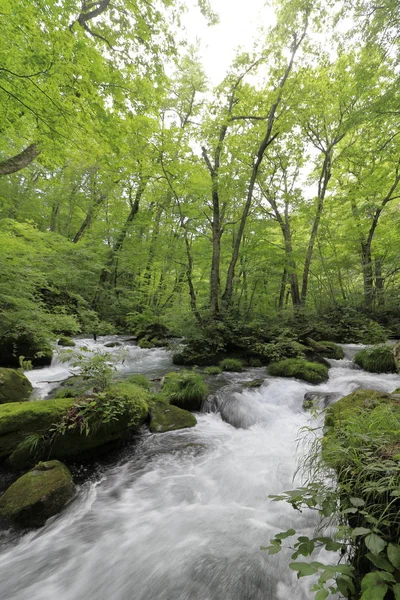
[[145, 344], [379, 359], [231, 364], [20, 422], [66, 341], [185, 389], [37, 495], [300, 369], [166, 417], [327, 349], [14, 386], [254, 383], [140, 380], [112, 344], [37, 351]]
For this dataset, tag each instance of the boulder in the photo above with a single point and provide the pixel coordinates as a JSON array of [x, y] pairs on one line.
[[378, 359], [112, 345], [14, 386], [165, 417], [39, 352], [37, 495], [254, 383], [185, 389]]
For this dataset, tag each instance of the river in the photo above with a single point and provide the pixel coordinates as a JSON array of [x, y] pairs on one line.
[[182, 515]]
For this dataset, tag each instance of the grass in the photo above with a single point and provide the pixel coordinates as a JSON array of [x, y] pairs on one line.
[[213, 370], [231, 364], [140, 380], [185, 389]]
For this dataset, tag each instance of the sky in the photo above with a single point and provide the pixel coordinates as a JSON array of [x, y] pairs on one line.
[[239, 22]]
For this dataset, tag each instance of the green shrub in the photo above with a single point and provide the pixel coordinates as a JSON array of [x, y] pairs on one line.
[[333, 350], [231, 364], [376, 360], [140, 380], [300, 369], [213, 370], [184, 389], [279, 350]]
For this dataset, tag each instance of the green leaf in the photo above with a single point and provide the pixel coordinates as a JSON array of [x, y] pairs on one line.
[[393, 552], [285, 534], [357, 502], [380, 561], [374, 543], [359, 531], [321, 595], [396, 591], [303, 569], [376, 592]]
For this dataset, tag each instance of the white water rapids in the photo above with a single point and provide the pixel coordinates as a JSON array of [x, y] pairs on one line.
[[182, 515]]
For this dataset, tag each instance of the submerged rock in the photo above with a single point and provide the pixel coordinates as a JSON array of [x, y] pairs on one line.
[[166, 417], [14, 386], [66, 341], [37, 495], [254, 383]]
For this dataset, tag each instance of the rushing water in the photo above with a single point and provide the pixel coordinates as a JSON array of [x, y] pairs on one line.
[[182, 515]]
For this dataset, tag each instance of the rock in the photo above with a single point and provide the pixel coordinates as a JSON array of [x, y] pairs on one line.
[[327, 349], [355, 403], [165, 417], [195, 353], [396, 356], [112, 344], [37, 495], [319, 399], [66, 341], [300, 369], [14, 386], [254, 383]]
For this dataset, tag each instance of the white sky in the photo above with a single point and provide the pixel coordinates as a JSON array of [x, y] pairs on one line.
[[239, 22]]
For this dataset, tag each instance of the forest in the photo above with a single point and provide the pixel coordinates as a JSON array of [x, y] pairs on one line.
[[257, 221]]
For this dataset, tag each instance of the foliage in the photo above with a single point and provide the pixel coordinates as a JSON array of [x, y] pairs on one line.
[[378, 359], [361, 500], [139, 380], [301, 369], [231, 364], [96, 368]]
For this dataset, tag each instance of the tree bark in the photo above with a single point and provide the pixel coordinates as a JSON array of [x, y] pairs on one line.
[[19, 161]]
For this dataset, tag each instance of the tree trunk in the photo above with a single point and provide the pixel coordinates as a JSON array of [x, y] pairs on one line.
[[87, 221]]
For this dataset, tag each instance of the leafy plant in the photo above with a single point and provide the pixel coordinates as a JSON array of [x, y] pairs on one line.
[[378, 359]]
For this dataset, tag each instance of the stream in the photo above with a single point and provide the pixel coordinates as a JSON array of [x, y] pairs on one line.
[[182, 515]]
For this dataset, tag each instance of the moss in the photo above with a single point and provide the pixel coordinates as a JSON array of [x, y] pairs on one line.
[[145, 344], [300, 369], [37, 495], [200, 354], [184, 389], [278, 350], [212, 370], [378, 359], [165, 417], [14, 386], [66, 341], [231, 364], [112, 345], [140, 380]]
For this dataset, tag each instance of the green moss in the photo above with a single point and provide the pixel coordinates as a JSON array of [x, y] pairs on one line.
[[201, 354], [66, 341], [212, 370], [37, 495], [279, 349], [165, 417], [14, 386], [354, 405], [145, 344], [300, 369], [140, 380], [184, 389], [378, 359], [231, 364]]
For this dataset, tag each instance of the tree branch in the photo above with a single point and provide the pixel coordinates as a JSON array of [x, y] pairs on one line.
[[19, 161]]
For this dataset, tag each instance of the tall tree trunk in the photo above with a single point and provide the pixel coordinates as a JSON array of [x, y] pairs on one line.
[[87, 221], [267, 140], [379, 282]]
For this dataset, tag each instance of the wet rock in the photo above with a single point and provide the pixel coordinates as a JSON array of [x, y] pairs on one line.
[[112, 344], [319, 399], [254, 383], [14, 386], [66, 341], [37, 495], [165, 417]]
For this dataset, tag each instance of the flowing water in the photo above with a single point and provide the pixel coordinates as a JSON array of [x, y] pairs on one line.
[[182, 515]]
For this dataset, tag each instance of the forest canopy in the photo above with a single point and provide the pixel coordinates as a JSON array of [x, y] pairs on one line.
[[133, 192]]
